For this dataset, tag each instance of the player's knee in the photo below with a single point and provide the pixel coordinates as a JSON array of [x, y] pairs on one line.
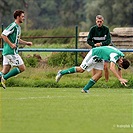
[[80, 70], [22, 68]]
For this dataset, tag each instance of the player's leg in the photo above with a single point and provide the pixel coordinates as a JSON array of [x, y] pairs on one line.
[[11, 60], [97, 69], [93, 72], [84, 65], [106, 71], [14, 60], [68, 71], [5, 70], [93, 80]]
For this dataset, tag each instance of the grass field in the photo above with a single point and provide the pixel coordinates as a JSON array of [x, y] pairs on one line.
[[65, 110]]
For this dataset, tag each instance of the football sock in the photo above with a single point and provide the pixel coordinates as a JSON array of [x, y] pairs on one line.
[[68, 71], [11, 73], [89, 85]]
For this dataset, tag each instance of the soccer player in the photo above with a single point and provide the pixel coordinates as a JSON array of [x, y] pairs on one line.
[[95, 59], [11, 37], [99, 35]]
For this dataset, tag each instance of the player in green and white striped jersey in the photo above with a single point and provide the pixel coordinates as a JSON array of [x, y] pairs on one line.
[[11, 37], [95, 59]]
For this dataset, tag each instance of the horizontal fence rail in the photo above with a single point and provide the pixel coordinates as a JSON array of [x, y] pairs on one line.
[[61, 50]]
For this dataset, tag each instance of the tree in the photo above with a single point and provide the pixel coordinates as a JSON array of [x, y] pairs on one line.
[[48, 14], [115, 12]]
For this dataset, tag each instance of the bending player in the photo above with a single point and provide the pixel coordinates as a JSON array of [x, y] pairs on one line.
[[95, 60]]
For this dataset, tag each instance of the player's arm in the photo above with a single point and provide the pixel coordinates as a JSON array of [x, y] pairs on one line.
[[120, 72], [117, 73], [113, 69], [25, 42], [5, 38], [89, 38]]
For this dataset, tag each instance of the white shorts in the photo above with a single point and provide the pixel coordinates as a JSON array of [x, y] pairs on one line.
[[13, 60], [91, 62]]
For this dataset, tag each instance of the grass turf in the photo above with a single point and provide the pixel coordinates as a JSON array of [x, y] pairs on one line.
[[65, 110]]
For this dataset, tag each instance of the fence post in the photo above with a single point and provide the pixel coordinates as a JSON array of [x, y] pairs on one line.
[[1, 58], [76, 45], [2, 26]]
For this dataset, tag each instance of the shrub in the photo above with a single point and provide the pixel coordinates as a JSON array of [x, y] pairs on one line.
[[63, 59], [30, 61]]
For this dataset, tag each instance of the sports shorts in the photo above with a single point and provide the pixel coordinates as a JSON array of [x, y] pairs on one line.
[[91, 62], [13, 60]]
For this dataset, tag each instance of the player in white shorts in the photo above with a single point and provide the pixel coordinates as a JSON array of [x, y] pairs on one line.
[[13, 60], [91, 62], [95, 59], [11, 37]]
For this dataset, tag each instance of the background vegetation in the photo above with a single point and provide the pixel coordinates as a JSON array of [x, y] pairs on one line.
[[44, 77], [49, 14], [58, 18]]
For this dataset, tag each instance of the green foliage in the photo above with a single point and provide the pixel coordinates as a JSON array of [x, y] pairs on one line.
[[56, 13], [109, 9], [63, 59], [31, 61], [45, 77], [57, 33]]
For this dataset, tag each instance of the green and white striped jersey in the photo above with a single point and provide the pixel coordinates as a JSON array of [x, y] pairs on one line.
[[107, 53], [13, 32]]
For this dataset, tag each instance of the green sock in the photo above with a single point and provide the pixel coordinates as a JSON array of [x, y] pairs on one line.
[[68, 71], [89, 85], [12, 73]]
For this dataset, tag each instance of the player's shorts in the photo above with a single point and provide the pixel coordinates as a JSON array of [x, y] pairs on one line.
[[91, 62], [13, 60]]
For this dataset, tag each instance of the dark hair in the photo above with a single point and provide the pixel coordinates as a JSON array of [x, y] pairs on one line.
[[125, 63], [18, 13]]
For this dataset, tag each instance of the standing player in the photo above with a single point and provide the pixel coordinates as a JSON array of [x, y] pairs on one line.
[[99, 35], [11, 37], [95, 59]]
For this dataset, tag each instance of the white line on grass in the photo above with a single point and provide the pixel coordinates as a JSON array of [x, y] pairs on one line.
[[26, 98]]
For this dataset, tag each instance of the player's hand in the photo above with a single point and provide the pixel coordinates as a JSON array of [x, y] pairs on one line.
[[29, 43], [13, 46], [98, 44], [123, 81]]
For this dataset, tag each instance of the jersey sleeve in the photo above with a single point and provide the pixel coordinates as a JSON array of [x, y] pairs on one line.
[[114, 57], [89, 38], [9, 30]]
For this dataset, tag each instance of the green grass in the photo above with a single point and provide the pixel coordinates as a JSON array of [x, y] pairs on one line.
[[65, 110]]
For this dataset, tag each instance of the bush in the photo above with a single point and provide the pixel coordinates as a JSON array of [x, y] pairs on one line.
[[63, 59], [31, 62]]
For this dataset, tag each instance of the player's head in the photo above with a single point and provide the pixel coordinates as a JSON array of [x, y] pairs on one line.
[[19, 14], [99, 20], [124, 63]]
